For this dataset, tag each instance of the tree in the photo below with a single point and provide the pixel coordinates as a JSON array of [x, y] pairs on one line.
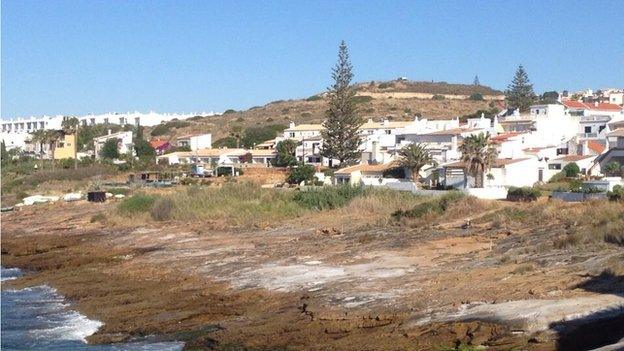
[[414, 157], [70, 125], [300, 173], [144, 150], [51, 137], [571, 170], [341, 137], [550, 97], [237, 133], [38, 137], [109, 150], [520, 92], [476, 81], [477, 156], [286, 153], [476, 97]]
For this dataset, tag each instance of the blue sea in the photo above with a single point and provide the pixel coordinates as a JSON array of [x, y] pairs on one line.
[[38, 318]]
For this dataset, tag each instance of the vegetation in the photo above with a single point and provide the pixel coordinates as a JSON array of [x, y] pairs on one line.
[[617, 194], [571, 170], [476, 97], [138, 203], [613, 169], [437, 205], [362, 99], [258, 134], [300, 173], [286, 153], [477, 156], [326, 198], [520, 92], [109, 150], [165, 128], [524, 193], [314, 98], [438, 97], [414, 157], [341, 136]]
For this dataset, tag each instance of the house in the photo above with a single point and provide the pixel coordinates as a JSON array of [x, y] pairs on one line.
[[263, 156], [302, 131], [195, 141], [504, 172], [124, 142], [206, 156], [160, 146], [65, 147], [365, 174], [442, 144], [584, 162], [614, 150]]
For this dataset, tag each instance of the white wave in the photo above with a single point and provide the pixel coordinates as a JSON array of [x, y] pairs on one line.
[[71, 326]]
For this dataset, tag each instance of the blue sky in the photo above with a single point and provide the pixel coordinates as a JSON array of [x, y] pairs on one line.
[[81, 56]]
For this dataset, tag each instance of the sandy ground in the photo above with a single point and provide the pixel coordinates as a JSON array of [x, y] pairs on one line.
[[306, 285]]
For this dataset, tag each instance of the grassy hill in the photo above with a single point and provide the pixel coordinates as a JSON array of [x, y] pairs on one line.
[[279, 113]]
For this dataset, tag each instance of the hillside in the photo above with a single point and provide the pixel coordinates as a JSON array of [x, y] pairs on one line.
[[312, 109]]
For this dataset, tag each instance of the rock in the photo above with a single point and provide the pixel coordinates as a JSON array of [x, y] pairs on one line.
[[31, 200], [109, 195], [120, 196], [72, 196]]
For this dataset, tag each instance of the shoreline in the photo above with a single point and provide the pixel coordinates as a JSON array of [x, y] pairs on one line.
[[175, 281]]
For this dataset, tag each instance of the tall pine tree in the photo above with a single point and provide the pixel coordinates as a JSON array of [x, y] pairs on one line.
[[341, 137], [520, 92], [476, 81]]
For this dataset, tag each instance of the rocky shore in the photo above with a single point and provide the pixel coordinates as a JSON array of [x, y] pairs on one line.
[[298, 285]]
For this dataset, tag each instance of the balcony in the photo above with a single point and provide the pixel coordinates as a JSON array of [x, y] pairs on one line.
[[587, 135]]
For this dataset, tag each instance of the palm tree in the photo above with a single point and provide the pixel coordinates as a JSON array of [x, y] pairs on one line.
[[414, 157], [51, 137], [477, 156], [70, 126], [38, 137]]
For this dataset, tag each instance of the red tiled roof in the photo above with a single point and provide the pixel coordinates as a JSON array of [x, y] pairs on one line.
[[156, 144], [602, 106], [572, 158], [595, 146], [503, 137]]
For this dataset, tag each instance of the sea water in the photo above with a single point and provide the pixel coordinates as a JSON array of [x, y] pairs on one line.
[[38, 318]]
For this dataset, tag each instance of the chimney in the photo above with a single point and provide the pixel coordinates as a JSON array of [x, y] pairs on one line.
[[585, 148], [291, 125], [109, 132], [454, 143]]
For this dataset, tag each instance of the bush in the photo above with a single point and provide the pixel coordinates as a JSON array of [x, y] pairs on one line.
[[476, 97], [161, 211], [118, 191], [571, 170], [327, 197], [386, 85], [109, 150], [314, 98], [300, 173], [438, 97], [135, 204], [396, 172], [617, 194], [228, 111], [361, 99], [66, 163], [524, 193], [165, 128], [436, 206]]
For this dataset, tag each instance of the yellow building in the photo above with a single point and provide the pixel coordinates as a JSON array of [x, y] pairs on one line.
[[65, 147]]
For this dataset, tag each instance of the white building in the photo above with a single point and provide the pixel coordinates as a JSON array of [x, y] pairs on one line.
[[124, 142], [195, 141], [15, 132]]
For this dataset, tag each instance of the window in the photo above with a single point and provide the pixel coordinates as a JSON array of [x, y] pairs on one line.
[[556, 166], [122, 120], [292, 135], [588, 129], [388, 131], [41, 125], [92, 121], [601, 128], [106, 120], [137, 121]]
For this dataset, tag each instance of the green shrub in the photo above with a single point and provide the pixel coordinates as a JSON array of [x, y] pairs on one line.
[[385, 85], [137, 203], [300, 173], [571, 170], [438, 97], [617, 194], [361, 99], [66, 163], [161, 210], [525, 193], [229, 111], [166, 127], [437, 205], [476, 97], [314, 98], [327, 197]]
